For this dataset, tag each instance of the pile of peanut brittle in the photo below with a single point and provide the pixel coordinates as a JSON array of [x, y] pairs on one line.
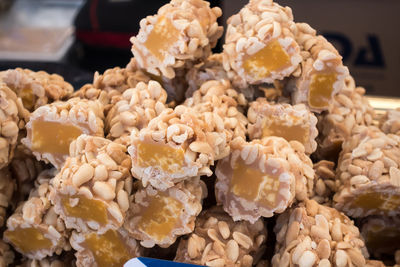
[[266, 154]]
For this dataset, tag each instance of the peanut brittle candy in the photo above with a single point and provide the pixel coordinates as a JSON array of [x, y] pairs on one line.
[[314, 235], [7, 190], [181, 33], [111, 249], [390, 122], [219, 241], [136, 107], [12, 118], [170, 149], [325, 184], [322, 71], [186, 141], [283, 120], [91, 190], [347, 109], [381, 234], [209, 69], [34, 229], [53, 127], [36, 88], [260, 44], [368, 170], [160, 217], [217, 97], [261, 177], [112, 83], [6, 254]]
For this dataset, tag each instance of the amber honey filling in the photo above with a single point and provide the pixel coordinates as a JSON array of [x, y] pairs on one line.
[[321, 88], [160, 217], [26, 95], [107, 249], [28, 239], [379, 201], [166, 158], [53, 137], [86, 209], [253, 185], [270, 58], [161, 38], [289, 132]]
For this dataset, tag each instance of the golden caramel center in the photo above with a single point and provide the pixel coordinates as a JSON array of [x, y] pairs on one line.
[[166, 158], [379, 201], [321, 88], [28, 98], [383, 239], [160, 217], [108, 249], [289, 132], [161, 38], [270, 58], [253, 185], [86, 209], [28, 239], [53, 137]]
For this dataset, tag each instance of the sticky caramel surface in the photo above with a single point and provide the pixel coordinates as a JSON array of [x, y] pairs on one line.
[[53, 137], [375, 200], [161, 38], [167, 158], [160, 217], [290, 133], [270, 58], [86, 209], [321, 88], [108, 249], [253, 185], [28, 239]]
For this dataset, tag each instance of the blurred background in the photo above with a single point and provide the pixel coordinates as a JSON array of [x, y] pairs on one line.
[[74, 38]]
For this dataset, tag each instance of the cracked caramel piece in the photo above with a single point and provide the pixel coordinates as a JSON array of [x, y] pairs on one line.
[[110, 249], [36, 88], [12, 118], [53, 127], [91, 190], [315, 235], [186, 141], [261, 178], [219, 241], [347, 109], [108, 87], [293, 123], [260, 45], [34, 229], [381, 235], [181, 33], [322, 73], [369, 174], [159, 217], [134, 110], [390, 122]]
